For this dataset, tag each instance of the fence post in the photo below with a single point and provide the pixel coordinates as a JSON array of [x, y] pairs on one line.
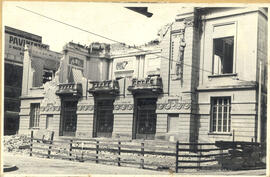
[[119, 152], [97, 147], [199, 159], [50, 146], [31, 142], [176, 156], [70, 149], [221, 156], [142, 155], [82, 152]]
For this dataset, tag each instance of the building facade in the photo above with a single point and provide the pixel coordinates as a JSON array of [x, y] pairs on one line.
[[203, 80], [15, 41]]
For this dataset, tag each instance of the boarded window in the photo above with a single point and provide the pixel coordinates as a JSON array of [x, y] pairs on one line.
[[220, 114], [34, 115], [173, 120]]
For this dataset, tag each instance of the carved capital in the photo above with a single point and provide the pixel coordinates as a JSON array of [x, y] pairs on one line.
[[189, 22]]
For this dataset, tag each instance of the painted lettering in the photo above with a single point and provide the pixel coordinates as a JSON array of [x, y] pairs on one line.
[[15, 41], [10, 39], [21, 42]]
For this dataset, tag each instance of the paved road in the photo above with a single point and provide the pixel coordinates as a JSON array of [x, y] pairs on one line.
[[34, 165]]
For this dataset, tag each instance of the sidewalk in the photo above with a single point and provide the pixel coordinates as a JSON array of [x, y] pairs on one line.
[[33, 165]]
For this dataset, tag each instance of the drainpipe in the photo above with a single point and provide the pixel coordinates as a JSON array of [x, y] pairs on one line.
[[170, 51]]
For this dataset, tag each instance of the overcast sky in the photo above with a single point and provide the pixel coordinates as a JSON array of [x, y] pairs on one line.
[[111, 20]]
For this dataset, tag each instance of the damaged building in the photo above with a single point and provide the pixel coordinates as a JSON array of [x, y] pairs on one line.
[[15, 42], [204, 80]]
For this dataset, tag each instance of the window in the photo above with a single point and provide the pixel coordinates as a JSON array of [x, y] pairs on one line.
[[34, 115], [140, 66], [47, 75], [220, 114], [223, 55]]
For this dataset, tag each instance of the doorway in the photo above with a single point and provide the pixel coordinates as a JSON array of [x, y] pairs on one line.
[[104, 118], [69, 118], [145, 118]]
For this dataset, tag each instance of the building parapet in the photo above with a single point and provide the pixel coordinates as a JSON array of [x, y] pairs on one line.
[[109, 86], [44, 53], [69, 89], [152, 83]]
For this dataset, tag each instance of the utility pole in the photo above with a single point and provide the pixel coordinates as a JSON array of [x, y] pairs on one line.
[[259, 104]]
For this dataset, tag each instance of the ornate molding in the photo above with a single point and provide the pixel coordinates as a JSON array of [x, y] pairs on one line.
[[85, 107], [123, 107], [173, 106], [50, 108]]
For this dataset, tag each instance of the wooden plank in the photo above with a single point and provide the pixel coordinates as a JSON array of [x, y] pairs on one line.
[[107, 160], [40, 148], [131, 162], [197, 144], [189, 161], [153, 148], [209, 160], [89, 159], [38, 153], [84, 148], [155, 164], [208, 150], [109, 144], [200, 150], [203, 155], [59, 150], [188, 167], [60, 141], [160, 153], [61, 156], [162, 143], [89, 154], [196, 161], [130, 146]]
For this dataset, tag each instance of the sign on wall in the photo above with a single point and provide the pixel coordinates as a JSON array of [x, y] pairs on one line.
[[15, 43], [124, 64], [121, 65], [76, 62]]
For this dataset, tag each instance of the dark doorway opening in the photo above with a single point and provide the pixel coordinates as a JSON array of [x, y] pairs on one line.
[[145, 118], [69, 118], [104, 118]]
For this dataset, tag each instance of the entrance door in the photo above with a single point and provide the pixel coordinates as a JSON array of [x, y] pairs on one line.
[[146, 118], [104, 118], [69, 118]]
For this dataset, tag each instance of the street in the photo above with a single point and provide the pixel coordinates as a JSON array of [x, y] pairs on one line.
[[34, 165]]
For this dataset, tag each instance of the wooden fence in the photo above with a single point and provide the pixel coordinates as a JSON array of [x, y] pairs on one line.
[[145, 154]]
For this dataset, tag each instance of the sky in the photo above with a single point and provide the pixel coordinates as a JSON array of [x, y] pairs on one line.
[[111, 20]]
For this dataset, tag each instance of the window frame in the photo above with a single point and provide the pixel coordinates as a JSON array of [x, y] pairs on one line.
[[229, 119], [220, 72], [34, 121], [217, 36]]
